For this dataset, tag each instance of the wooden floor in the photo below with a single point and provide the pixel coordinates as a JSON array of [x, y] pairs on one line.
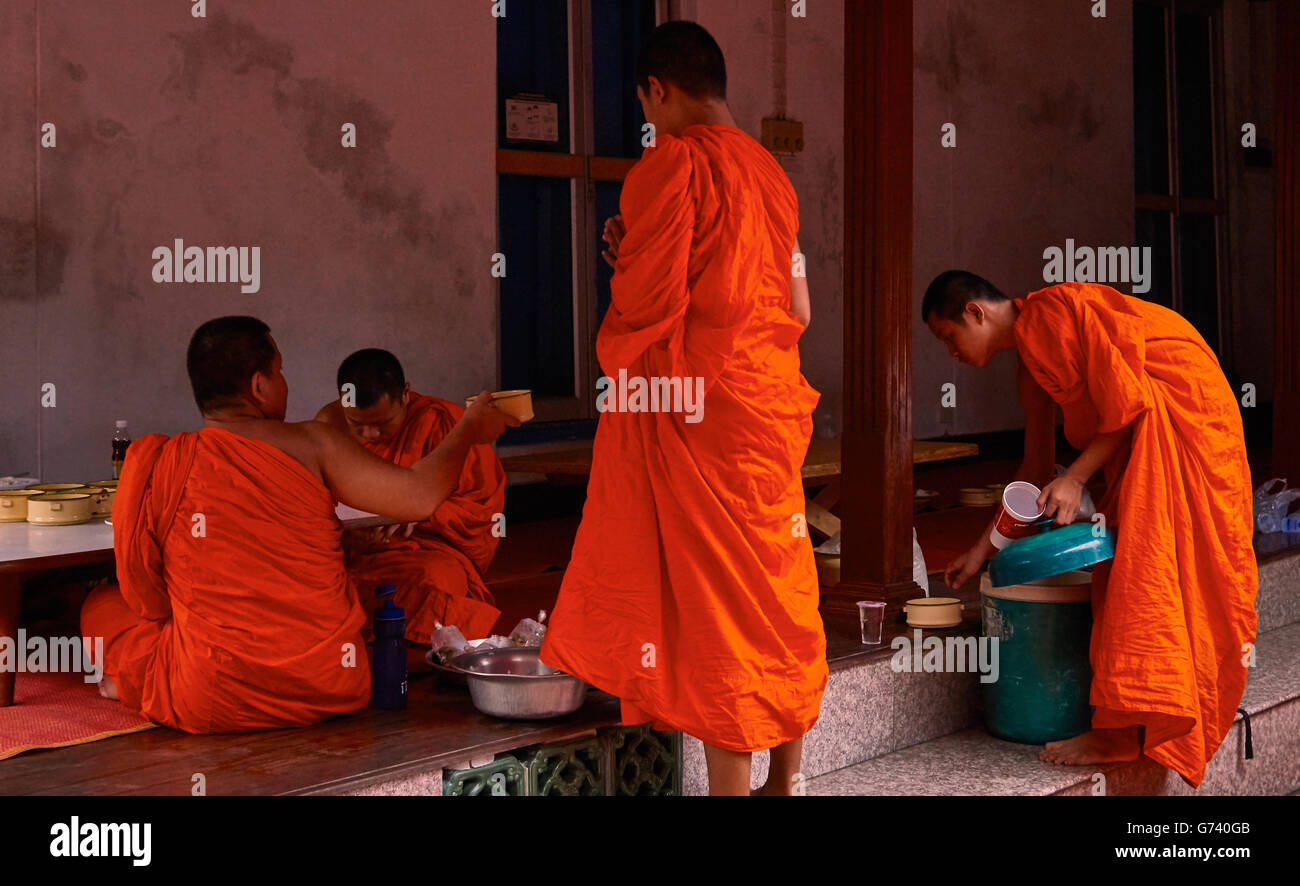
[[439, 729]]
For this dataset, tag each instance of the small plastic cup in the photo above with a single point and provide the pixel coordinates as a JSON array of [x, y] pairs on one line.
[[871, 617]]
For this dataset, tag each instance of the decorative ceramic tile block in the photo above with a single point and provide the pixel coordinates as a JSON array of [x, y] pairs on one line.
[[569, 769], [503, 777], [646, 763]]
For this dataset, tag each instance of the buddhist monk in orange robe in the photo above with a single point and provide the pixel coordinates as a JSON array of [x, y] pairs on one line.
[[234, 611], [438, 564], [692, 593], [1145, 399]]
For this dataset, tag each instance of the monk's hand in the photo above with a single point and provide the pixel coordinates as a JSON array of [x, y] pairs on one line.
[[390, 531], [484, 421], [613, 235], [959, 571], [1060, 499]]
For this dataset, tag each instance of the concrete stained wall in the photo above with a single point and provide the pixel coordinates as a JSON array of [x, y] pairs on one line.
[[226, 131], [814, 87], [1042, 98]]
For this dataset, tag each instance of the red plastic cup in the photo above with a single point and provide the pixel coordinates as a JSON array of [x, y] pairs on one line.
[[1018, 515]]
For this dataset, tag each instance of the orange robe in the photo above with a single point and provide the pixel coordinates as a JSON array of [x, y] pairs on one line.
[[439, 570], [244, 620], [1174, 612], [690, 594]]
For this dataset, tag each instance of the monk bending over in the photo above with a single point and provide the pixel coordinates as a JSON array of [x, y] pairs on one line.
[[235, 611], [1144, 398], [438, 563], [689, 594]]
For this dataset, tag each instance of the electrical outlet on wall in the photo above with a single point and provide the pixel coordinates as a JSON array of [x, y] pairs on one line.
[[782, 136]]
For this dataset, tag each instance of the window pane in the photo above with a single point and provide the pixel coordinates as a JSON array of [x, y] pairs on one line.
[[537, 292], [1201, 275], [1153, 231], [1195, 105], [533, 58], [607, 194], [1150, 104], [618, 29]]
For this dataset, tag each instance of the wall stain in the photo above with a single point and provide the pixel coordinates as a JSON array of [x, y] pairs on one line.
[[75, 71], [378, 188], [1068, 110], [17, 259], [956, 53]]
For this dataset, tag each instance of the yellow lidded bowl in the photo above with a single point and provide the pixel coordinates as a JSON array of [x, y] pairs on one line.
[[60, 508], [933, 612], [101, 498], [13, 504], [58, 487]]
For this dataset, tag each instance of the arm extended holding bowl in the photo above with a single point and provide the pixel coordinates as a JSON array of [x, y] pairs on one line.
[[364, 481], [1040, 456]]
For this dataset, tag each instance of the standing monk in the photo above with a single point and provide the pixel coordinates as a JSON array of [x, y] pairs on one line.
[[1144, 397], [437, 564], [689, 594], [234, 611]]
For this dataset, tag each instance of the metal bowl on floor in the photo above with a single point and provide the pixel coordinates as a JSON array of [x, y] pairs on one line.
[[514, 684]]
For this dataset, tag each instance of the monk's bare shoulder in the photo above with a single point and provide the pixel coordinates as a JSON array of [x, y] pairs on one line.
[[332, 414]]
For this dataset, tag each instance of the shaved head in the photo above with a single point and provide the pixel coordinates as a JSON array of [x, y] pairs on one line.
[[951, 291], [685, 55]]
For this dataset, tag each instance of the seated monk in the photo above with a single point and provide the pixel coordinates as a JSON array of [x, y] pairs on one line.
[[437, 564], [234, 611], [1144, 398]]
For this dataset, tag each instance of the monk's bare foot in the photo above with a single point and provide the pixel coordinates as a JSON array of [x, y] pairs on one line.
[[108, 688], [776, 790], [1094, 746]]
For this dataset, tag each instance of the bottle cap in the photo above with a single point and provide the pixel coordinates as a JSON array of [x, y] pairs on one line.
[[385, 590], [121, 423]]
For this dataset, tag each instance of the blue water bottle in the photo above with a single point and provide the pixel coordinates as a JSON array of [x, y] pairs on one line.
[[388, 673]]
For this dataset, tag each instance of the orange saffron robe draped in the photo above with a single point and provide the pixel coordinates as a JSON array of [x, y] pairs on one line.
[[439, 570], [690, 593], [1174, 612], [239, 621]]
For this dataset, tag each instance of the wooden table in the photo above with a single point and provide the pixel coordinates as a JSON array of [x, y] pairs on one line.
[[26, 548], [821, 467]]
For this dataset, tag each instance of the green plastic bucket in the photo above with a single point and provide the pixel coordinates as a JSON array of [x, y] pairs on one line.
[[1043, 630]]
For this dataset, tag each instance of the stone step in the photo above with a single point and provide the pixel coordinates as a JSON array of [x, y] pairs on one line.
[[868, 709], [1278, 600], [972, 762]]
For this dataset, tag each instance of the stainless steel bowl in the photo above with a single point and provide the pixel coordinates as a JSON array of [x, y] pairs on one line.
[[514, 684]]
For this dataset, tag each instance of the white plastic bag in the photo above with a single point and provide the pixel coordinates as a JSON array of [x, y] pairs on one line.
[[920, 574]]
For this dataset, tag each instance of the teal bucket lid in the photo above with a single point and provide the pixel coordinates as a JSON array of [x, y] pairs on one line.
[[1050, 553]]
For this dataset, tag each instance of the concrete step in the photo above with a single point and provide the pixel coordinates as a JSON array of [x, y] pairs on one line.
[[1278, 600], [972, 762], [868, 709]]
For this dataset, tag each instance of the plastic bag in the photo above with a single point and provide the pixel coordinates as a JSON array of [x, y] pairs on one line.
[[919, 573], [1271, 501]]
